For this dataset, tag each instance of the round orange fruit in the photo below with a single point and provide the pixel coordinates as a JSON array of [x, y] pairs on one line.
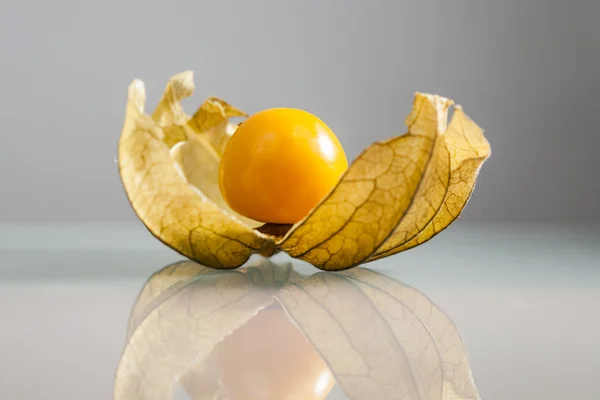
[[279, 164]]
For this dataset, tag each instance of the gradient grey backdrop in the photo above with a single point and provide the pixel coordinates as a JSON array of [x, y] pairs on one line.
[[527, 71]]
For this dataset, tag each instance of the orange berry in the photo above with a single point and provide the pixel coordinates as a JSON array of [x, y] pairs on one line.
[[279, 164]]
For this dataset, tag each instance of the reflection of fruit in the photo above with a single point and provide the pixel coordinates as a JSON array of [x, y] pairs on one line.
[[279, 164], [199, 330], [269, 358]]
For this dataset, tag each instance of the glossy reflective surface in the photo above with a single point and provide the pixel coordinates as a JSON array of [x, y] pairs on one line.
[[265, 331], [525, 301]]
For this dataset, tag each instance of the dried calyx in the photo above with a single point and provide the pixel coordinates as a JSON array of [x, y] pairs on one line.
[[397, 194]]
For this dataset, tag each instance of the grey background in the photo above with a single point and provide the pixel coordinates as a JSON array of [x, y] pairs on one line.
[[527, 71]]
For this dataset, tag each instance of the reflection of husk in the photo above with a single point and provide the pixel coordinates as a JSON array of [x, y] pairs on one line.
[[397, 194], [380, 338]]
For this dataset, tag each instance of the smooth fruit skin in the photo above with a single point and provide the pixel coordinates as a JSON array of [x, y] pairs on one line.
[[279, 164]]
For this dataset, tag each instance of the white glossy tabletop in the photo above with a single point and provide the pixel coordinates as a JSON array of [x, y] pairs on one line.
[[525, 300]]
